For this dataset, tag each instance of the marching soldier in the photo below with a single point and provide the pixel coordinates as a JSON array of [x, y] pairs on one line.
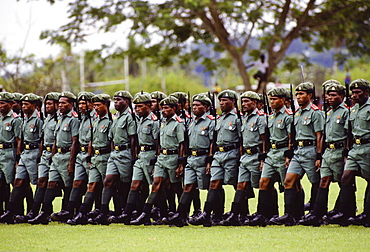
[[98, 154], [224, 167], [307, 156], [274, 169], [51, 102], [26, 171], [358, 158], [253, 132], [64, 151], [10, 147]]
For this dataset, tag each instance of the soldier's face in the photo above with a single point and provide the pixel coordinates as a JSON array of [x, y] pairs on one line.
[[226, 104], [303, 98], [142, 109], [83, 108], [277, 102], [199, 108], [168, 111], [28, 107], [248, 105], [17, 106], [334, 99], [100, 108], [359, 96], [5, 107], [120, 103], [65, 106], [50, 108], [154, 105]]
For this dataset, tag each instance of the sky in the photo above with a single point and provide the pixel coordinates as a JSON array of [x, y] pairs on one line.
[[21, 23]]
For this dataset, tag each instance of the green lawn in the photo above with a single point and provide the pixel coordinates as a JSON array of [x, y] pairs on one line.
[[118, 237]]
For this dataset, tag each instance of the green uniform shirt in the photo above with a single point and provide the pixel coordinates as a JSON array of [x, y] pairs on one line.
[[122, 128], [67, 127], [228, 129], [360, 120], [279, 124], [32, 128], [201, 132], [253, 126], [85, 128], [307, 122], [171, 133], [148, 129], [48, 130], [10, 127], [101, 129], [335, 122]]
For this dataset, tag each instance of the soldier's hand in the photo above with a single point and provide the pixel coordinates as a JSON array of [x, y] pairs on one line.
[[317, 165], [208, 168], [179, 170], [261, 165], [287, 162]]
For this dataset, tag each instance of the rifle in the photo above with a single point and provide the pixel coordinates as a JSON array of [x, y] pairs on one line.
[[267, 110], [90, 121], [213, 112], [240, 119], [325, 117], [293, 142], [133, 118], [349, 130]]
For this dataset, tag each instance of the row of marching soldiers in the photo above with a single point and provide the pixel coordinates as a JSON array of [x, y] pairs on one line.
[[158, 143]]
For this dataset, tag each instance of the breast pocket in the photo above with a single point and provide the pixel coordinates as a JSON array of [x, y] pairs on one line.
[[146, 130]]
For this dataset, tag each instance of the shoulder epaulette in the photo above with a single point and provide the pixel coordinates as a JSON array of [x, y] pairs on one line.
[[15, 115], [187, 114], [346, 106], [259, 112], [74, 114], [288, 111], [314, 107], [38, 114], [179, 119], [154, 117], [211, 117]]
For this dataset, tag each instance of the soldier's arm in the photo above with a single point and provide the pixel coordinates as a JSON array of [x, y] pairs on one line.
[[72, 158], [180, 168], [133, 147], [319, 138]]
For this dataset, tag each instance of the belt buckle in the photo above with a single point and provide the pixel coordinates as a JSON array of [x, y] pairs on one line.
[[273, 146], [358, 140], [221, 149], [164, 151], [194, 153], [116, 147], [332, 146], [59, 150], [248, 151], [48, 148], [27, 147], [300, 143], [97, 152], [1, 146], [142, 148], [83, 148]]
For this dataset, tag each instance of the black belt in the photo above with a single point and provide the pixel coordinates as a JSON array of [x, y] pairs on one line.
[[147, 147], [360, 141], [169, 152], [84, 148], [63, 149], [121, 147], [30, 146], [251, 151], [335, 145], [304, 143], [226, 148], [199, 152], [100, 151], [48, 148], [278, 145], [6, 145]]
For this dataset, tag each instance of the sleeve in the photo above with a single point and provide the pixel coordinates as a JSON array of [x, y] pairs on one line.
[[155, 130], [261, 124], [17, 126], [289, 121], [180, 129], [131, 126], [40, 124], [75, 125], [211, 130], [238, 126], [318, 121]]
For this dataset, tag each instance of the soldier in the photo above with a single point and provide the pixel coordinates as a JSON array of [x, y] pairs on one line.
[[224, 167], [156, 98], [119, 170], [274, 169], [169, 164], [198, 163], [26, 171], [253, 133], [307, 156], [87, 114], [98, 154], [148, 128], [17, 104], [332, 160], [64, 153], [358, 158], [10, 146], [51, 102]]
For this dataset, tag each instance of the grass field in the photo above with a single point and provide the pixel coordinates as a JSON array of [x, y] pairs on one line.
[[118, 237]]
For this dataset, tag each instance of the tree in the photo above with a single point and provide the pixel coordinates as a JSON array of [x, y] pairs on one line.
[[165, 29]]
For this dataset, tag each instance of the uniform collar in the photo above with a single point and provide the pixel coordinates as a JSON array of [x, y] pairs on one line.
[[307, 108], [342, 105], [10, 113], [124, 112], [281, 111]]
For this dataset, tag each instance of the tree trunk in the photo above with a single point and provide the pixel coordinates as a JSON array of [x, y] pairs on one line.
[[238, 60]]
